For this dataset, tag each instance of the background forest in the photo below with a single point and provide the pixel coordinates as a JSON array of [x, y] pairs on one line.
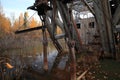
[[8, 38]]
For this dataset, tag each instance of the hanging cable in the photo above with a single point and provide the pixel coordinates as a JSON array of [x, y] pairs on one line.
[[26, 21]]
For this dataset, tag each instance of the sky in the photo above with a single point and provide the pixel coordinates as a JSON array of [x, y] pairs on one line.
[[16, 7]]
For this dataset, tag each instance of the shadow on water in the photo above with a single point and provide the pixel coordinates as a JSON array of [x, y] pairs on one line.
[[28, 65]]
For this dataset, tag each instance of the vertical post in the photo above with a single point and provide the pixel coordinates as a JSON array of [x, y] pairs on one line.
[[72, 58], [45, 44], [70, 35], [99, 15], [71, 45], [109, 27]]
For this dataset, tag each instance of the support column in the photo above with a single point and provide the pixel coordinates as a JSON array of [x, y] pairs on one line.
[[101, 24], [70, 36], [45, 45], [109, 26], [72, 59]]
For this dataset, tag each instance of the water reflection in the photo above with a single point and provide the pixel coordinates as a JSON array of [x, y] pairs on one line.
[[31, 60]]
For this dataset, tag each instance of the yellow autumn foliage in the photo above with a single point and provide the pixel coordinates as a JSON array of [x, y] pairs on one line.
[[33, 23], [9, 66], [5, 25]]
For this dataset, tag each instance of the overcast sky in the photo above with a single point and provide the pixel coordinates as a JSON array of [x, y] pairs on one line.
[[15, 7]]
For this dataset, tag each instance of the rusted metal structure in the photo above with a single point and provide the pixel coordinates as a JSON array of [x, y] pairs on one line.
[[55, 13]]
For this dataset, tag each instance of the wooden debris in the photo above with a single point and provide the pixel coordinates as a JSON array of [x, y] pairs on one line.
[[82, 75], [9, 66]]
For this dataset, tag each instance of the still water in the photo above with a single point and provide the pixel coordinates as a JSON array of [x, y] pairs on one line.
[[28, 64]]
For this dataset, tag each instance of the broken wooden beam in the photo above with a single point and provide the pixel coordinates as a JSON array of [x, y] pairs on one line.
[[82, 75], [30, 29]]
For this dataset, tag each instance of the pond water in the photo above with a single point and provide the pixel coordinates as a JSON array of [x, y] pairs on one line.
[[28, 64]]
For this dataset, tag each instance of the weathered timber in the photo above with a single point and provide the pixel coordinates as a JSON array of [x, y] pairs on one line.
[[70, 25], [82, 75], [30, 29], [109, 27], [59, 36], [100, 19], [72, 63], [55, 42], [78, 35], [105, 23], [69, 30], [45, 45]]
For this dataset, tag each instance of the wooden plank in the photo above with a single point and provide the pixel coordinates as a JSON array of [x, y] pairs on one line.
[[30, 29], [82, 75], [98, 8], [109, 27], [59, 36], [45, 46]]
